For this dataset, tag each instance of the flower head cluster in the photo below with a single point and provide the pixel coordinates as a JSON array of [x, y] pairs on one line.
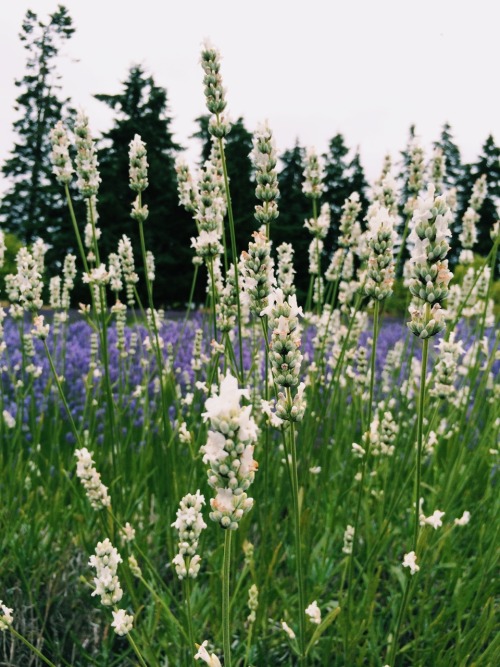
[[313, 176], [415, 174], [438, 169], [434, 520], [186, 186], [253, 603], [468, 235], [257, 272], [264, 159], [122, 622], [446, 367], [6, 617], [380, 262], [211, 206], [314, 613], [285, 355], [86, 158], [214, 92], [318, 227], [62, 167], [410, 560], [229, 452], [350, 211], [138, 164], [105, 562], [96, 492], [348, 538], [189, 523], [285, 271], [386, 193], [26, 285], [429, 268], [210, 658]]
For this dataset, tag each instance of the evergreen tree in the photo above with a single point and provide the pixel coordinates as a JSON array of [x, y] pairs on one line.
[[453, 160], [33, 205], [294, 208], [141, 108]]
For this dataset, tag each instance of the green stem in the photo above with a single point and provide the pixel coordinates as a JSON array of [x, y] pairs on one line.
[[226, 626], [233, 250], [297, 536], [61, 395], [31, 647], [187, 595], [136, 650], [420, 439], [363, 475]]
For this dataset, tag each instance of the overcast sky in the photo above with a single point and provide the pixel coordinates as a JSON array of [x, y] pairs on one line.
[[312, 68]]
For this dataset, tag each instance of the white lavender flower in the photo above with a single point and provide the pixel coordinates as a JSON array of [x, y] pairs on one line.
[[264, 159], [86, 158], [138, 164], [429, 268], [380, 262], [61, 161], [122, 622], [96, 492], [210, 658], [189, 523], [410, 561], [219, 125], [285, 271], [186, 186], [313, 175], [229, 452], [105, 562], [314, 613], [6, 617], [256, 270]]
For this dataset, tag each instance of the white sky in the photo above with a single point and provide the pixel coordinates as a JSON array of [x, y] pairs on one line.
[[312, 68]]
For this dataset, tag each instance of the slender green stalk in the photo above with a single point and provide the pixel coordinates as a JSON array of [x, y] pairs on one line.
[[226, 625], [297, 538], [362, 480], [187, 595], [233, 250], [420, 442], [136, 650], [62, 395], [420, 431], [31, 647]]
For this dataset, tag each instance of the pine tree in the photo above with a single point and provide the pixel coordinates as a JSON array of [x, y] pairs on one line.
[[32, 206], [453, 159], [141, 108]]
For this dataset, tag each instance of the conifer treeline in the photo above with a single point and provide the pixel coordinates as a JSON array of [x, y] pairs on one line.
[[33, 205]]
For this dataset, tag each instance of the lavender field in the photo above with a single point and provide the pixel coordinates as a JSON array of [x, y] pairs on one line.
[[254, 481]]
